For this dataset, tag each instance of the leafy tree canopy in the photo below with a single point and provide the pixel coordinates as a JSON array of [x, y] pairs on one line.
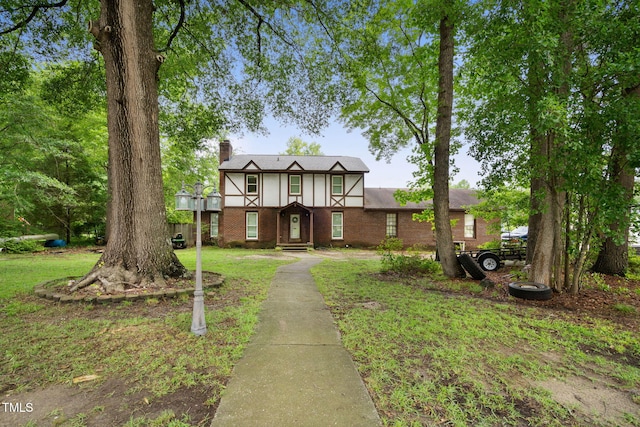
[[297, 147], [53, 155]]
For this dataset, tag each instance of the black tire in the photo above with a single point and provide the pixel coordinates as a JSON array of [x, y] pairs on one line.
[[489, 261], [530, 290], [471, 266]]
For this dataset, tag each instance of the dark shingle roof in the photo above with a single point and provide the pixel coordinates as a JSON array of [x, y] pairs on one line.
[[382, 198], [241, 162]]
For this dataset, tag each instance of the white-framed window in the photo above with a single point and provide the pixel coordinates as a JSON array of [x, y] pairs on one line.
[[213, 229], [469, 226], [392, 225], [252, 226], [252, 184], [337, 185], [336, 225], [295, 185]]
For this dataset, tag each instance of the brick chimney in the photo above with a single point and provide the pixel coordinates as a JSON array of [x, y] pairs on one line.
[[226, 150]]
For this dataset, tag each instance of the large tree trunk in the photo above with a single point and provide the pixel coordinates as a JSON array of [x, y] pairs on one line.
[[444, 239], [546, 257], [546, 253], [613, 258], [138, 246], [535, 203], [536, 151], [540, 235]]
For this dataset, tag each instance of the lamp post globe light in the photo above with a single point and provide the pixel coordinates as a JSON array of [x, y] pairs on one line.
[[186, 201]]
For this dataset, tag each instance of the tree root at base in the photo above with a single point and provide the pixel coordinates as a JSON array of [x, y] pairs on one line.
[[116, 279]]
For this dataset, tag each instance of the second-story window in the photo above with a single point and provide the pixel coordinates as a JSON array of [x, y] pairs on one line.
[[252, 184], [337, 185], [295, 184]]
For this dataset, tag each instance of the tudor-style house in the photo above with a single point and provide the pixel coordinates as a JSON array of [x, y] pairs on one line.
[[321, 201]]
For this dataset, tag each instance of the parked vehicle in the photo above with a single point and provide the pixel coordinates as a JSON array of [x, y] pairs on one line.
[[517, 235]]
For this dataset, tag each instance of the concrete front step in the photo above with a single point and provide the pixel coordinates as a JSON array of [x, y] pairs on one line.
[[295, 246]]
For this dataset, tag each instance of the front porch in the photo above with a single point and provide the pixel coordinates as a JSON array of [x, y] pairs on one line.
[[294, 227]]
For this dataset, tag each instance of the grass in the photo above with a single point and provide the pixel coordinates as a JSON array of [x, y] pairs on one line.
[[20, 273], [624, 308], [428, 356], [435, 358], [146, 346]]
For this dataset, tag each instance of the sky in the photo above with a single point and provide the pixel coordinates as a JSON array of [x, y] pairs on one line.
[[338, 141]]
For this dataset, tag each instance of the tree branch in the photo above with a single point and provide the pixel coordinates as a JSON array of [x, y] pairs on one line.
[[34, 11], [318, 13], [259, 40], [177, 28], [412, 127], [262, 20]]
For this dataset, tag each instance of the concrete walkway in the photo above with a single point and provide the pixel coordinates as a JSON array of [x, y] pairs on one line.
[[295, 372]]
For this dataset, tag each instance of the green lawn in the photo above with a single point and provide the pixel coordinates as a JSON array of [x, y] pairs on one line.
[[432, 357], [429, 355], [142, 352], [20, 273]]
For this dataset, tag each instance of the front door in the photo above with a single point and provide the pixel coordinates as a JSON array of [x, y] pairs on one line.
[[294, 227]]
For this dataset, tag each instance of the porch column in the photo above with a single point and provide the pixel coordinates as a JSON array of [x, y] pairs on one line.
[[311, 227], [278, 228]]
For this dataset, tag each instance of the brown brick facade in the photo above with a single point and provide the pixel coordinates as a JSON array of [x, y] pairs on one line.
[[361, 228], [233, 228], [367, 228]]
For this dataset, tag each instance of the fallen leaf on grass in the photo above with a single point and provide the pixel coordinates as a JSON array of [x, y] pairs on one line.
[[85, 378]]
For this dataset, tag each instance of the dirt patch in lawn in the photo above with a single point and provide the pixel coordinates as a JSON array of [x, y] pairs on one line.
[[595, 398], [106, 403]]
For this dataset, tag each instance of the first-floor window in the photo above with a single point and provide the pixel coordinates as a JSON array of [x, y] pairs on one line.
[[392, 225], [215, 217], [469, 226], [252, 225], [336, 225]]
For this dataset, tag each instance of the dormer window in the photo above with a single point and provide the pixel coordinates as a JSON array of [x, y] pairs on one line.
[[295, 185], [252, 184], [337, 185]]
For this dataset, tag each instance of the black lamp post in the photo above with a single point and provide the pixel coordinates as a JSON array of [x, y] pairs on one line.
[[186, 201]]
